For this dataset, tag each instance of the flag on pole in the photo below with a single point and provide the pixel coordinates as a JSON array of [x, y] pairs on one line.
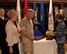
[[50, 18], [35, 10], [35, 16], [19, 18], [42, 17], [56, 9], [19, 13], [56, 12], [18, 9], [25, 7], [36, 32]]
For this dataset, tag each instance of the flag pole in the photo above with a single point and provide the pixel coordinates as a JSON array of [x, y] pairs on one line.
[[50, 18], [50, 23], [25, 7], [42, 17], [19, 13], [19, 19], [35, 16]]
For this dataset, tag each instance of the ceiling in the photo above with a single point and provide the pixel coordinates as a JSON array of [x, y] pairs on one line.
[[31, 1]]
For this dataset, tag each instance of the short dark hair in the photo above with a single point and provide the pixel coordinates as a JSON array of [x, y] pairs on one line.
[[59, 16]]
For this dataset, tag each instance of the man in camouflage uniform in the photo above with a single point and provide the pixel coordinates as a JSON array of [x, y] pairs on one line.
[[27, 33], [60, 34]]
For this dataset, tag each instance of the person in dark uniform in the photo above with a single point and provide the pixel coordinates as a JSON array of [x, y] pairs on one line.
[[61, 11], [60, 33], [3, 43]]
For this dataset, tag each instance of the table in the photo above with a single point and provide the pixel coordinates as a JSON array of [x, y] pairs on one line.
[[44, 46]]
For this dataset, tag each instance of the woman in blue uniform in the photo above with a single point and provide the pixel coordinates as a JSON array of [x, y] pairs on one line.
[[60, 33]]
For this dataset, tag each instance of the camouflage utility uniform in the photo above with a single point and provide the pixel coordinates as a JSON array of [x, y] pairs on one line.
[[27, 25], [60, 36]]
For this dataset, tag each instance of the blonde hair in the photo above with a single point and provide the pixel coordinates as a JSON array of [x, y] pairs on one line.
[[11, 13], [2, 12]]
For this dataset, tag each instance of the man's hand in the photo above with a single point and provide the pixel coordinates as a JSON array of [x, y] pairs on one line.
[[32, 37]]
